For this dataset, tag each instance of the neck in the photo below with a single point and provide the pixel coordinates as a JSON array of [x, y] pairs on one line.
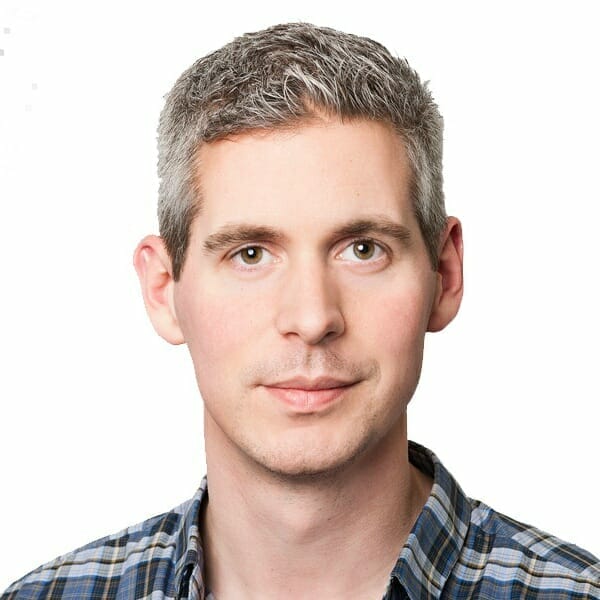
[[266, 536]]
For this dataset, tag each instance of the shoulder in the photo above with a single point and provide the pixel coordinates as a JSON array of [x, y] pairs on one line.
[[109, 567], [511, 559]]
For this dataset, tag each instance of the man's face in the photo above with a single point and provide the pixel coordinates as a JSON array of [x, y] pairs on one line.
[[306, 294]]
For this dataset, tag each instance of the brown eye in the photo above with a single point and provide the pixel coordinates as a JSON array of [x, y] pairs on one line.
[[251, 255], [363, 249]]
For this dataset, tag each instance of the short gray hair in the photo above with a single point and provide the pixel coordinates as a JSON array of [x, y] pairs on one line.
[[281, 77]]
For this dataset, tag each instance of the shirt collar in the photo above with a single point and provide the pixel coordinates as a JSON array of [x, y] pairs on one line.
[[189, 559], [438, 535]]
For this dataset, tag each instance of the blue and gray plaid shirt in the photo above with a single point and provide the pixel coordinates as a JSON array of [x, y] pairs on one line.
[[458, 548]]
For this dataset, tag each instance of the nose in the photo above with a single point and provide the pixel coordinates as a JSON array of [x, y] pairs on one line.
[[309, 306]]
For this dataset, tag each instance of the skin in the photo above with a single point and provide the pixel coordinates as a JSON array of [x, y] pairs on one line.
[[304, 301]]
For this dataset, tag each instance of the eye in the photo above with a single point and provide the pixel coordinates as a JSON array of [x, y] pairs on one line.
[[362, 251], [252, 256]]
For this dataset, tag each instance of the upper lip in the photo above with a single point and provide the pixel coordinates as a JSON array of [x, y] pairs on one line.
[[311, 383]]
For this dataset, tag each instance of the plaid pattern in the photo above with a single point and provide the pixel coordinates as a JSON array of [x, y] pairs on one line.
[[461, 548], [458, 548]]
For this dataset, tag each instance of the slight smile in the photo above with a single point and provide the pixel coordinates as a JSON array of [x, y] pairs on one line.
[[304, 395]]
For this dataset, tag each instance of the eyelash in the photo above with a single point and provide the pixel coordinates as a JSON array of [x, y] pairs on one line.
[[245, 266], [249, 267], [365, 240]]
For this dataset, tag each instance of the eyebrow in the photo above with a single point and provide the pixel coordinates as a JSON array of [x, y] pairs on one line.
[[234, 234], [376, 225], [231, 235]]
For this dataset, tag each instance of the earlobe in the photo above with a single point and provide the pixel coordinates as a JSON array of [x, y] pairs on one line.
[[153, 266], [450, 277]]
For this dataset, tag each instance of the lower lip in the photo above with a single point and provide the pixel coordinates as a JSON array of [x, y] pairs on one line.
[[307, 401]]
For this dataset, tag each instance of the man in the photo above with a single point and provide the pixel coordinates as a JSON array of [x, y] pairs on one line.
[[304, 253]]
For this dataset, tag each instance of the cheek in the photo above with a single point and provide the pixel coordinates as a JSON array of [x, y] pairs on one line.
[[397, 315], [216, 328], [395, 331]]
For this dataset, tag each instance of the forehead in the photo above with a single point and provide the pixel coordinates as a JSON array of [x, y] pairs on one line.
[[322, 171]]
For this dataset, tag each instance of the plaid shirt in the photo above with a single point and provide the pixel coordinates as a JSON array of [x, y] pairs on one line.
[[458, 548]]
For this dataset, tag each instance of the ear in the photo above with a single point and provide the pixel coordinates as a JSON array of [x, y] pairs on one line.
[[153, 265], [449, 277]]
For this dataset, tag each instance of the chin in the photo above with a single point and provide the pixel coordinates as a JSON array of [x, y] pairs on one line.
[[299, 464]]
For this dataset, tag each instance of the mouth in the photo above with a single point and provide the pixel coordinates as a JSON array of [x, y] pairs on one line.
[[304, 395]]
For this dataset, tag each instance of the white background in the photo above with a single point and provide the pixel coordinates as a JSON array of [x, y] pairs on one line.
[[100, 420]]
